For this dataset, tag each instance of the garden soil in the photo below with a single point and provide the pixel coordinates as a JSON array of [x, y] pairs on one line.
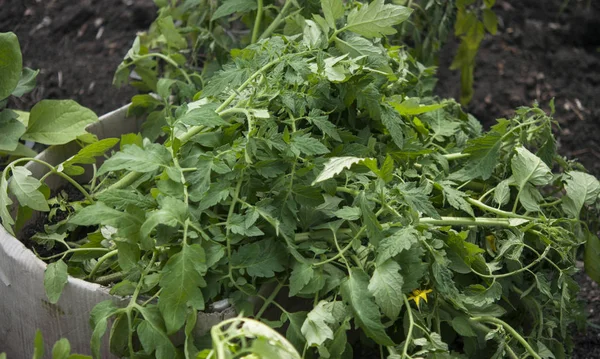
[[539, 53]]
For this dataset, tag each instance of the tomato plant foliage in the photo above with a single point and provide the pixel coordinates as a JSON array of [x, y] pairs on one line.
[[313, 183]]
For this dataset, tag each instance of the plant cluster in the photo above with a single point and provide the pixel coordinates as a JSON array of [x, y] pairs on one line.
[[50, 122], [313, 182]]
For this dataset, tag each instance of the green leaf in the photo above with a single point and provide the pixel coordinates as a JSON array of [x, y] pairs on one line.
[[38, 345], [307, 145], [334, 166], [376, 19], [61, 349], [99, 322], [234, 6], [591, 255], [260, 259], [134, 158], [5, 201], [169, 31], [417, 198], [11, 63], [55, 279], [490, 21], [100, 213], [401, 240], [582, 189], [456, 198], [356, 46], [301, 275], [392, 121], [386, 287], [333, 10], [369, 219], [121, 198], [56, 122], [348, 213], [502, 192], [25, 188], [316, 328], [152, 335], [26, 82], [528, 168], [411, 106], [203, 116], [180, 282], [11, 129], [172, 212], [366, 313], [87, 155], [484, 152]]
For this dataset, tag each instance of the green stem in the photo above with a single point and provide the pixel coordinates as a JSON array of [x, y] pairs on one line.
[[257, 21], [109, 278], [277, 21], [167, 59], [102, 260], [269, 300], [466, 221], [497, 211], [411, 323], [456, 156], [509, 329], [504, 275], [343, 250]]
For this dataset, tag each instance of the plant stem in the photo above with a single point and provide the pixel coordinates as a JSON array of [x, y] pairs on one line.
[[102, 260], [466, 221], [109, 278], [410, 327], [277, 21], [257, 21], [509, 329], [269, 300], [497, 211]]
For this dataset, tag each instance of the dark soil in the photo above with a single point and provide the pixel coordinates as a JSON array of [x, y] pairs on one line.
[[540, 54], [77, 45]]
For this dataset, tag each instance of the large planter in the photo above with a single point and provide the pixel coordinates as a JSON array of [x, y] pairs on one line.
[[24, 307]]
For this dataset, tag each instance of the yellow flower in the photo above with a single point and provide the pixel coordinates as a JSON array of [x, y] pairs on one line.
[[418, 294], [492, 241]]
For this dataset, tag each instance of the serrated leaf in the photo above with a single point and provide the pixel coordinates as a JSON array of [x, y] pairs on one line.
[[316, 327], [100, 213], [392, 121], [5, 201], [369, 219], [99, 317], [172, 213], [348, 213], [366, 313], [456, 198], [334, 166], [260, 259], [356, 46], [11, 63], [301, 275], [134, 158], [234, 6], [332, 10], [307, 145], [55, 279], [386, 287], [401, 240], [56, 122], [203, 116], [87, 156], [180, 282], [169, 31], [25, 188], [152, 335], [376, 19], [417, 198], [121, 198], [411, 106]]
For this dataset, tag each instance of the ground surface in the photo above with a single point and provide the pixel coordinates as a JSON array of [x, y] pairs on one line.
[[538, 54]]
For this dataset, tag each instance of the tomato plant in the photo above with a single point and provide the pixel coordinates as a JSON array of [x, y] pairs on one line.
[[314, 182]]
